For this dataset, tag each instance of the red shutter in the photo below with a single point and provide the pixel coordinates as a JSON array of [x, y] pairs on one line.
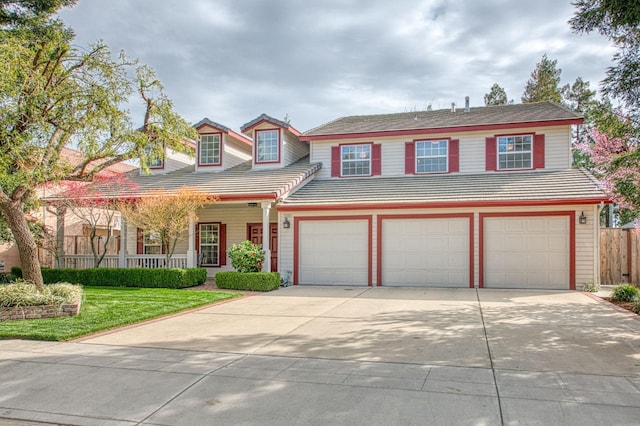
[[197, 247], [223, 244], [376, 159], [538, 151], [490, 157], [335, 161], [454, 155], [140, 241], [409, 158]]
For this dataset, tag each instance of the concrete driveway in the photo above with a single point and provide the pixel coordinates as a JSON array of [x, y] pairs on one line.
[[336, 355]]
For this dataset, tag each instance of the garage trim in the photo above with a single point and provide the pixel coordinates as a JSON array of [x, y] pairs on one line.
[[381, 218], [572, 239], [296, 242]]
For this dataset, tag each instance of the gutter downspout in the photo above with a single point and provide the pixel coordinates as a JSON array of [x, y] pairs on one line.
[[597, 210]]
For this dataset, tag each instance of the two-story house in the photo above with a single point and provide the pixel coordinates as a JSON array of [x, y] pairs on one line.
[[474, 197]]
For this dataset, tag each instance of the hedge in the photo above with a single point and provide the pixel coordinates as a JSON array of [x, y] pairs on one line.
[[251, 281], [121, 277]]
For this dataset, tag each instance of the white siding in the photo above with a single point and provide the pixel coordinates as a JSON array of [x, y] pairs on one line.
[[292, 148], [173, 161], [235, 153], [472, 149]]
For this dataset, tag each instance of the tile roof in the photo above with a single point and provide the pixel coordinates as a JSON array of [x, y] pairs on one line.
[[264, 117], [237, 182], [570, 184], [212, 124], [445, 118]]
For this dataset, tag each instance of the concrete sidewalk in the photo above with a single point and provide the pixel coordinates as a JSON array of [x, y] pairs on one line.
[[327, 355]]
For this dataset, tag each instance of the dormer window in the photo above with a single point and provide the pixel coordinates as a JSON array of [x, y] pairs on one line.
[[153, 163], [209, 149], [267, 146]]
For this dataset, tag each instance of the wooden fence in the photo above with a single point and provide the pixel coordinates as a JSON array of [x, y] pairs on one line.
[[619, 256]]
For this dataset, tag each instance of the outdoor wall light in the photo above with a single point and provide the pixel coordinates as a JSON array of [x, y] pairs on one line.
[[582, 219], [286, 224]]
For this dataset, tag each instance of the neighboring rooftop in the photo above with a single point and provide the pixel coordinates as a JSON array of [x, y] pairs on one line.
[[446, 118], [570, 184]]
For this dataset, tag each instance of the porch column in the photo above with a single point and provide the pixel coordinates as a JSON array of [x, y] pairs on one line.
[[61, 212], [122, 255], [191, 250], [266, 236]]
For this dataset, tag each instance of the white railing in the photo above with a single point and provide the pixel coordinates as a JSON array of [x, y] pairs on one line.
[[77, 261], [156, 261], [151, 261]]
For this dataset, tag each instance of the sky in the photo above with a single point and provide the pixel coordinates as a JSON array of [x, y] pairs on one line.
[[317, 60]]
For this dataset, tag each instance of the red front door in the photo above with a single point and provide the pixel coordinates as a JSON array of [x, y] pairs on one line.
[[254, 234]]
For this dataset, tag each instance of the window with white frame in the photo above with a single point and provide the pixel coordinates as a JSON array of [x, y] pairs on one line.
[[152, 243], [209, 248], [209, 149], [431, 156], [514, 152], [355, 160], [153, 163], [267, 145]]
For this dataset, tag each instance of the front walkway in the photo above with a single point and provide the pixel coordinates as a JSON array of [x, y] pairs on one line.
[[318, 355]]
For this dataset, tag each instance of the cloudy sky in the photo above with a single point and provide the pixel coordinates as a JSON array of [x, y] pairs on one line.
[[317, 60]]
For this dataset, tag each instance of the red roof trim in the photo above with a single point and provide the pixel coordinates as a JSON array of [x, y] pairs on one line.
[[444, 204], [247, 197], [455, 129], [240, 137], [291, 129]]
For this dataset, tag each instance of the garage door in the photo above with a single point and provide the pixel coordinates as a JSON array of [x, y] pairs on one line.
[[333, 252], [425, 252], [527, 252]]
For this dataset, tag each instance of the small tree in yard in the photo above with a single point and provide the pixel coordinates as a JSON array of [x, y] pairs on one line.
[[166, 213], [246, 257], [615, 162], [89, 203]]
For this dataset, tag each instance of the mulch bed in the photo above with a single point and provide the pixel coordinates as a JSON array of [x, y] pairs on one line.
[[624, 305]]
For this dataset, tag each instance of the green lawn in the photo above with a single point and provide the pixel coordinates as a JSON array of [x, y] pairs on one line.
[[108, 307]]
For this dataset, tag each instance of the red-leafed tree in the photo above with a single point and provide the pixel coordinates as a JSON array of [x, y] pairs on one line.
[[615, 164], [96, 204]]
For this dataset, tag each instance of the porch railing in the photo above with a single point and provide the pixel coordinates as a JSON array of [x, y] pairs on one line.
[[151, 261], [79, 261], [154, 262]]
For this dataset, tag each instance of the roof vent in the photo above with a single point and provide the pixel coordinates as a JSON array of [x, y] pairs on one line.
[[453, 107], [466, 104]]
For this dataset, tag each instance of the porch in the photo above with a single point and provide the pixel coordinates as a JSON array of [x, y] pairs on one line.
[[204, 244]]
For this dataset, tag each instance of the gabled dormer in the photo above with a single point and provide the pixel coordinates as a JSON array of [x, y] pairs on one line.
[[276, 143], [219, 147], [167, 159]]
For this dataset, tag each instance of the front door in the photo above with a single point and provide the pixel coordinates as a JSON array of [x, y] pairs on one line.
[[254, 234]]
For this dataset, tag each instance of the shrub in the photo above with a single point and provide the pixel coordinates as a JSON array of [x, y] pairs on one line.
[[24, 293], [591, 287], [246, 257], [636, 306], [251, 281], [133, 277], [625, 293]]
